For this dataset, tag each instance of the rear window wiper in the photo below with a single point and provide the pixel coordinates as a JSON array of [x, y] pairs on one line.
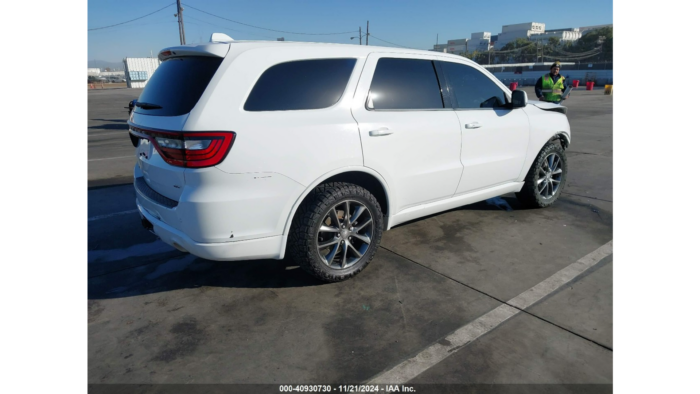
[[147, 105]]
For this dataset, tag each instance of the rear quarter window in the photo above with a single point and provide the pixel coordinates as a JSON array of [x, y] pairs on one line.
[[300, 85], [177, 85]]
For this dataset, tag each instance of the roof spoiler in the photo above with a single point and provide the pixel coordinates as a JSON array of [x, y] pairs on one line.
[[208, 49], [220, 37]]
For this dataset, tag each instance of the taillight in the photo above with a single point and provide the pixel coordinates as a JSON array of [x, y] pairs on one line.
[[191, 150]]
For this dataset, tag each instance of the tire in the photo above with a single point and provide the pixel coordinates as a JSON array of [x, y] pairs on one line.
[[532, 194], [307, 237]]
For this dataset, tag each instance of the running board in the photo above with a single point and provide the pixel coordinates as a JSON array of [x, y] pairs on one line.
[[452, 202]]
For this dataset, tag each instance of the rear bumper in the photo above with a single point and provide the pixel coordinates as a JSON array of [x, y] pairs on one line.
[[216, 208], [260, 248]]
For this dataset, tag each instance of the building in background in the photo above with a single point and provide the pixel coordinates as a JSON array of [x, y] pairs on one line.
[[562, 36], [138, 70], [93, 72], [113, 76], [520, 27], [560, 30], [480, 41], [533, 31], [457, 46], [519, 30], [568, 34], [439, 48], [587, 29]]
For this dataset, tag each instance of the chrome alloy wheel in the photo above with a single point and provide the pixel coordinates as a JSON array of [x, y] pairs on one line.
[[549, 176], [345, 234]]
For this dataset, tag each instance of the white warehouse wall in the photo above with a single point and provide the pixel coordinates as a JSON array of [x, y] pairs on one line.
[[507, 37], [481, 35], [480, 45], [456, 49], [535, 26], [144, 64]]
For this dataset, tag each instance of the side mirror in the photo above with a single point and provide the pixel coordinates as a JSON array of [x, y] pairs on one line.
[[518, 99]]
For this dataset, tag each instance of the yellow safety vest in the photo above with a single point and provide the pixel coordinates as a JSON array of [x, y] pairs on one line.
[[552, 91]]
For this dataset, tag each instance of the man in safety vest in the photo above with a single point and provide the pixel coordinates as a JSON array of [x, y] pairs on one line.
[[550, 86]]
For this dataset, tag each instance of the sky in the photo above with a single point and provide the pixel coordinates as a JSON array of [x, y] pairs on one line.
[[410, 23]]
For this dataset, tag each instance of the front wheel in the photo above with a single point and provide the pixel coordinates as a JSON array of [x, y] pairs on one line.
[[336, 231], [546, 178]]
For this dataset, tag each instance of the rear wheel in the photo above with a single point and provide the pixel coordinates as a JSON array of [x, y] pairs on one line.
[[546, 178], [336, 231]]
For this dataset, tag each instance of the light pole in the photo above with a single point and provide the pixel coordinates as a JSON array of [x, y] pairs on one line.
[[367, 34], [360, 36], [180, 23], [352, 38]]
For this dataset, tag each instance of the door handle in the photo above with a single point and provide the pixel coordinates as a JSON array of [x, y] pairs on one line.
[[472, 125], [380, 132]]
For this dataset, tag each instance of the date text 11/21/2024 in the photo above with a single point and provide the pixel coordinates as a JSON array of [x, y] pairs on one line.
[[348, 388]]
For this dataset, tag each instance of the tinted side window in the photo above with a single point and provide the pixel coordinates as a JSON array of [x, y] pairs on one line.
[[304, 84], [471, 88], [405, 84]]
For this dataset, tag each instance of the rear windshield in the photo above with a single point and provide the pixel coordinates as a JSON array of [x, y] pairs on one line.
[[177, 85]]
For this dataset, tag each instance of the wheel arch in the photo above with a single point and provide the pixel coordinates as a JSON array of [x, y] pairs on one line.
[[562, 137], [361, 176]]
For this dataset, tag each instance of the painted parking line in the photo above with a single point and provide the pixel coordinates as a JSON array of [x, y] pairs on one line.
[[437, 352], [109, 215], [113, 158]]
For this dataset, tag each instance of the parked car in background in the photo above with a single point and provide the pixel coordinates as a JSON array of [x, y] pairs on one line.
[[256, 150]]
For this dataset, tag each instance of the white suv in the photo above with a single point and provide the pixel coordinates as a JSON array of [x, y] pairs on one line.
[[252, 150]]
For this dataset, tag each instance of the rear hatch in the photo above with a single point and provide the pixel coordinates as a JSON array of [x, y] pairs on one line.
[[162, 110]]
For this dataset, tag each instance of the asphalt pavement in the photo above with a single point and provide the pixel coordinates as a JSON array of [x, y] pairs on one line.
[[442, 301]]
